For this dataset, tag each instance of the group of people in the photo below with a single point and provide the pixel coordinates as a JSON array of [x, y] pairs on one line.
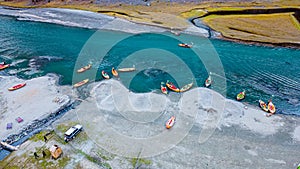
[[36, 156]]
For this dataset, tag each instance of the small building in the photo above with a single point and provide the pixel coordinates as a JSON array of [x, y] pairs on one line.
[[55, 151]]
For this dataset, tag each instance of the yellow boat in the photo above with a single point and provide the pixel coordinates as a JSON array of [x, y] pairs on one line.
[[81, 83], [129, 69], [184, 45], [172, 87], [263, 105], [186, 87], [84, 68]]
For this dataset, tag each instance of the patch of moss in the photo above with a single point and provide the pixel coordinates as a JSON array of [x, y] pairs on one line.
[[62, 162], [135, 161], [193, 13], [106, 165], [38, 137], [78, 166], [64, 127]]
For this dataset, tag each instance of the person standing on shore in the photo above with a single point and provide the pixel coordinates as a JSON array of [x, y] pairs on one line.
[[45, 138], [44, 154], [35, 155]]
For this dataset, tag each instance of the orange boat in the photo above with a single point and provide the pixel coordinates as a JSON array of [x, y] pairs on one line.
[[114, 72], [104, 75], [171, 86], [184, 45], [18, 86], [84, 68], [3, 66], [170, 123], [81, 83]]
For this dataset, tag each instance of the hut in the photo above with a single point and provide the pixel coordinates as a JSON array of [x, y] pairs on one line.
[[55, 151]]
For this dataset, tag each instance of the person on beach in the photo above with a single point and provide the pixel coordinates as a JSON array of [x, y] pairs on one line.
[[45, 138], [35, 155], [44, 154]]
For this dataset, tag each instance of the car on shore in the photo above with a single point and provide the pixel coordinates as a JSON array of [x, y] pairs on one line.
[[72, 132]]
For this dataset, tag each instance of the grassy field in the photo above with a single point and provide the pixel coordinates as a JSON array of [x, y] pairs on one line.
[[271, 28]]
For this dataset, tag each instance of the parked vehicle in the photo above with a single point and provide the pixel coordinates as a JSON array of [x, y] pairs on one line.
[[72, 132]]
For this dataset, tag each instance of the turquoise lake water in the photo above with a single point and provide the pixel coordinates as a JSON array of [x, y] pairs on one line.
[[35, 49]]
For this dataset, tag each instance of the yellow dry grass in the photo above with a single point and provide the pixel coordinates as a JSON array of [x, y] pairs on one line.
[[271, 28], [262, 28]]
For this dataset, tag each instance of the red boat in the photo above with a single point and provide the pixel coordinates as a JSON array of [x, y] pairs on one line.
[[163, 88], [170, 123], [18, 86], [3, 66], [171, 86]]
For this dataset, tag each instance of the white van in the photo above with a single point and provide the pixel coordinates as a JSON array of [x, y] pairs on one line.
[[72, 132]]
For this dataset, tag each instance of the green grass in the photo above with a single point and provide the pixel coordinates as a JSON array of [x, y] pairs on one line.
[[135, 161], [193, 13], [63, 161], [64, 127], [106, 165], [38, 137]]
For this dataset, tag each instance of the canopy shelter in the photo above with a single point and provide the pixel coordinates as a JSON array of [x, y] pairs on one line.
[[55, 151]]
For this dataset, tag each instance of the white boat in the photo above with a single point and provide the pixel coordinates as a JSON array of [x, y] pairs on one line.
[[128, 69], [8, 146], [208, 81]]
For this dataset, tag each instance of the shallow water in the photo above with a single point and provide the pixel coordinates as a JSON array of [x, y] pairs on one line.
[[35, 49]]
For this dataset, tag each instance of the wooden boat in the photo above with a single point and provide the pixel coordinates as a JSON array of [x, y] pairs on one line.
[[184, 45], [172, 87], [263, 105], [84, 68], [3, 66], [18, 86], [208, 81], [186, 87], [241, 95], [129, 69], [163, 88], [8, 146], [271, 107], [81, 83], [114, 72], [170, 123], [104, 75]]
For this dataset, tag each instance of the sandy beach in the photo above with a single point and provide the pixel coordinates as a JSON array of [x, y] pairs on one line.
[[37, 100]]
